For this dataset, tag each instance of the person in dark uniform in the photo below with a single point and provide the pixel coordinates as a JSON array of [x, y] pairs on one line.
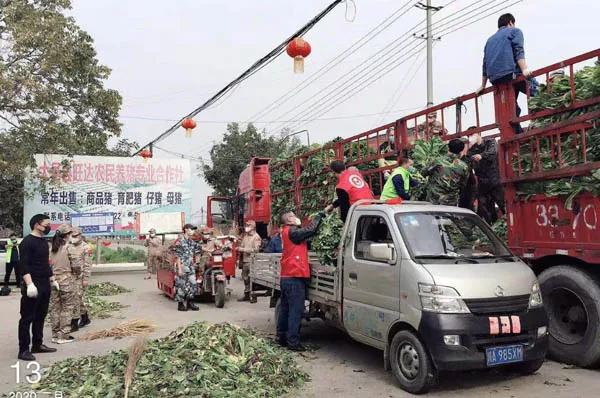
[[35, 292]]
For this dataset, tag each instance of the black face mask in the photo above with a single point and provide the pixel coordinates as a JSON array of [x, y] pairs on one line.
[[47, 230]]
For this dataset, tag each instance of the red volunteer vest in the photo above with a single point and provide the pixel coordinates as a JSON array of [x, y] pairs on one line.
[[354, 184], [294, 258]]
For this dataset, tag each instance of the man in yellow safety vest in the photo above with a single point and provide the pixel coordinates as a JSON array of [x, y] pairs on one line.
[[399, 182]]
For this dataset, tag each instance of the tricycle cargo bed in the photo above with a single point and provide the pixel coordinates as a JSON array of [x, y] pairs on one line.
[[264, 274]]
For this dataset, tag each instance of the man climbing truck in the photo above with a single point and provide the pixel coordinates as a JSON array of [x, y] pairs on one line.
[[405, 283]]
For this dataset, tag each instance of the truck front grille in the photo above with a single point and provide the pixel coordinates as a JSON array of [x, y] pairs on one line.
[[498, 305]]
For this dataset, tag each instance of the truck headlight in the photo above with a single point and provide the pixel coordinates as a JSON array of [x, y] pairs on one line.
[[535, 299], [441, 299]]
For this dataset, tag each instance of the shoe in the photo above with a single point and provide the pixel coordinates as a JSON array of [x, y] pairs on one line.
[[42, 349], [26, 356], [74, 325], [84, 321], [65, 340], [281, 342], [191, 306], [54, 340], [181, 307], [245, 297], [297, 348]]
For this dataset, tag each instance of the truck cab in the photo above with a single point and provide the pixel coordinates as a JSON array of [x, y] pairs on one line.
[[435, 289]]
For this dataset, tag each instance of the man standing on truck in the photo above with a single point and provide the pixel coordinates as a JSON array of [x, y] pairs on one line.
[[449, 179], [155, 252], [504, 59], [295, 273], [400, 182], [249, 245], [351, 187], [184, 249], [484, 158]]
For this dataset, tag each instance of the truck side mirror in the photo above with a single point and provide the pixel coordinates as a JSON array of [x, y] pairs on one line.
[[383, 252]]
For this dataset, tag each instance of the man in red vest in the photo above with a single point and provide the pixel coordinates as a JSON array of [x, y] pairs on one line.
[[351, 187], [295, 275]]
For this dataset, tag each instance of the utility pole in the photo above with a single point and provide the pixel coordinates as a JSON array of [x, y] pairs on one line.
[[429, 9], [429, 57]]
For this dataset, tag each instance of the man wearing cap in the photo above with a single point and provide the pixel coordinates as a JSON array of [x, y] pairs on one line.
[[351, 187], [184, 249], [35, 292], [484, 157], [155, 251], [81, 262], [249, 245], [400, 182]]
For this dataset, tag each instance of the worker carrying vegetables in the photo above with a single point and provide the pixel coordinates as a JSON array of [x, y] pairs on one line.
[[295, 274], [484, 158], [400, 181], [351, 187], [249, 245], [449, 178], [504, 60]]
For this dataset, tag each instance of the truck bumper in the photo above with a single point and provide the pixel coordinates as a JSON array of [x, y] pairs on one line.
[[475, 337]]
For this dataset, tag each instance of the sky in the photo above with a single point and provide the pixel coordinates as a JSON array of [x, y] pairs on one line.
[[167, 58]]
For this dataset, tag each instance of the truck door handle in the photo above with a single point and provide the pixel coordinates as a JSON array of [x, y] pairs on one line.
[[353, 275]]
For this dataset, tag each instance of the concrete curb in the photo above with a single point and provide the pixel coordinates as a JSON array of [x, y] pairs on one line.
[[118, 267]]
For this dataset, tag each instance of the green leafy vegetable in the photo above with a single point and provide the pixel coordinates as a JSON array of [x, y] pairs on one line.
[[327, 241]]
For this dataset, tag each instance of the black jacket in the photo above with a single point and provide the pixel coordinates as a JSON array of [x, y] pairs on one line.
[[486, 169]]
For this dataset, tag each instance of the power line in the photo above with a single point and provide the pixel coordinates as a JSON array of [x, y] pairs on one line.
[[314, 108], [370, 35], [258, 65]]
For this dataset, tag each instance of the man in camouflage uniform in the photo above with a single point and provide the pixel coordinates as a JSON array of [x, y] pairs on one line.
[[184, 249], [80, 256], [249, 245], [64, 298], [447, 180], [155, 251]]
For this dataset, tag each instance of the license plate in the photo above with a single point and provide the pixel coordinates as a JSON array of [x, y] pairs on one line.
[[504, 354], [217, 259]]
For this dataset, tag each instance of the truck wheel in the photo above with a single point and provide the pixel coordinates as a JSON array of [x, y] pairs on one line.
[[572, 300], [220, 295], [411, 364]]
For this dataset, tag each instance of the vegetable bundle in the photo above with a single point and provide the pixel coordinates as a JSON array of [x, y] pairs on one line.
[[327, 240], [98, 307], [200, 360]]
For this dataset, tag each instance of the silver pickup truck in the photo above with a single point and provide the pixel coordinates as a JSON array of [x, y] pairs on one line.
[[431, 286]]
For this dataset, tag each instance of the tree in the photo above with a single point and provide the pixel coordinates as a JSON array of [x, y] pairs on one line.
[[52, 95], [232, 154]]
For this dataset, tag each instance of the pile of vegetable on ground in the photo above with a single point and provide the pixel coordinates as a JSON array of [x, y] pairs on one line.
[[97, 306], [200, 360]]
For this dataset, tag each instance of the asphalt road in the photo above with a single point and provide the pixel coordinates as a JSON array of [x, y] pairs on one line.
[[339, 367]]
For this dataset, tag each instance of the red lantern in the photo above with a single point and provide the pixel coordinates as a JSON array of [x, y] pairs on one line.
[[298, 49], [188, 124], [146, 154]]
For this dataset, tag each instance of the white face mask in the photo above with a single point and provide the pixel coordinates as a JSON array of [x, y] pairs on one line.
[[75, 240], [247, 229], [152, 234], [297, 221]]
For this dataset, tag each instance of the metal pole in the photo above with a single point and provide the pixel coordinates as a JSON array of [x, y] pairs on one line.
[[308, 138], [429, 56]]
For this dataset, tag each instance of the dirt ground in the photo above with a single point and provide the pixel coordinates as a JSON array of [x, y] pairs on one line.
[[339, 367]]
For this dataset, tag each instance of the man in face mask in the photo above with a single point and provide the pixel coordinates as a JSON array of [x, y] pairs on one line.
[[400, 182], [81, 263], [184, 249], [35, 293], [155, 251], [295, 274], [250, 244], [12, 261]]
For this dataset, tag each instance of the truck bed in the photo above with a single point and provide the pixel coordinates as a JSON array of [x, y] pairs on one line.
[[323, 288]]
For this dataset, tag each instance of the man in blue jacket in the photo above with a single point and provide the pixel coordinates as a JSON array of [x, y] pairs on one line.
[[504, 59]]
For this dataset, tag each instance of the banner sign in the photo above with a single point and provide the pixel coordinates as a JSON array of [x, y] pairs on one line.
[[94, 188]]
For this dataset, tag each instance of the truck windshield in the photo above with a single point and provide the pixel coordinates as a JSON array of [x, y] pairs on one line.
[[435, 236]]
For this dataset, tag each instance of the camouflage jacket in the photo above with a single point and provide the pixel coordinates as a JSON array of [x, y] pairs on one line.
[[154, 246], [446, 181], [81, 261], [185, 249]]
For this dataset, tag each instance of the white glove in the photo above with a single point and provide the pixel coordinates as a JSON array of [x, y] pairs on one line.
[[32, 291], [56, 286]]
